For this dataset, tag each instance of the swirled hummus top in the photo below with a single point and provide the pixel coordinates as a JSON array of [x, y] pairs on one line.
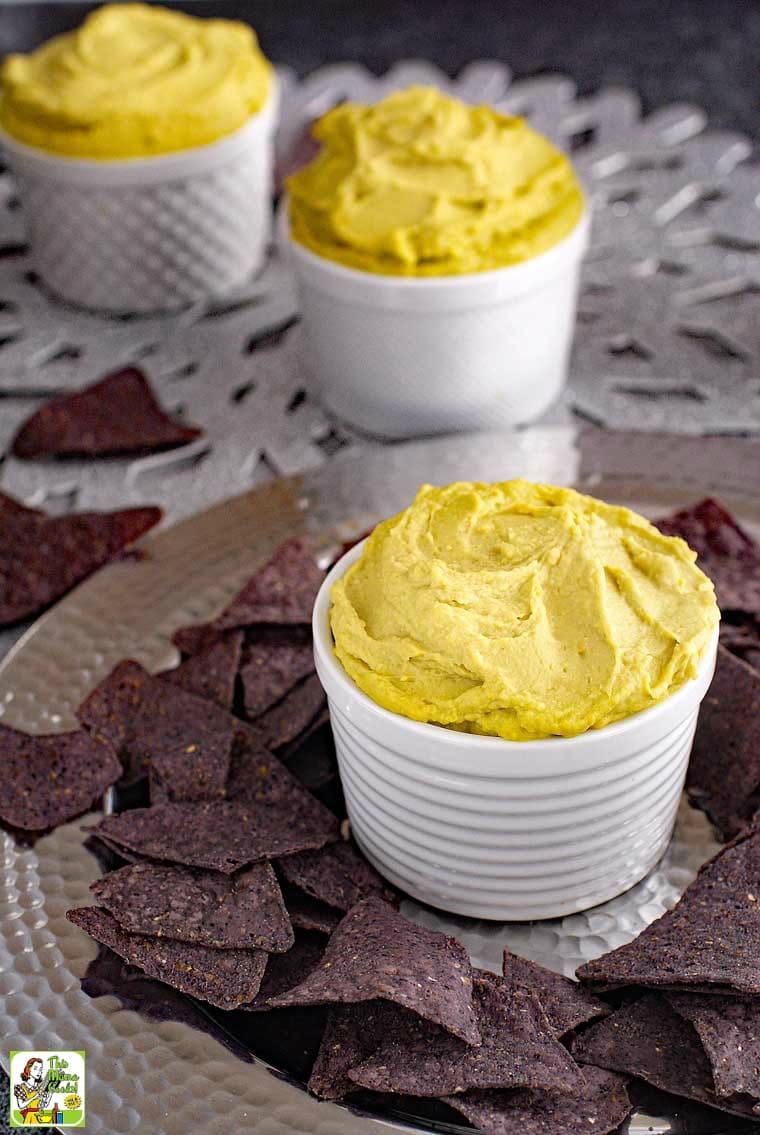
[[521, 610], [134, 81], [424, 185]]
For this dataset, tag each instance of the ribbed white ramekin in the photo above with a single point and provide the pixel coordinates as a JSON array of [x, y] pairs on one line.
[[507, 830], [401, 356], [142, 235]]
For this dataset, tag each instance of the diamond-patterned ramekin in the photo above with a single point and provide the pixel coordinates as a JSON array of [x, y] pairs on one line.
[[507, 830], [143, 235]]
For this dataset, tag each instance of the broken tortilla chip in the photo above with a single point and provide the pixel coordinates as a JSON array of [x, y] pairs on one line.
[[42, 557], [48, 780]]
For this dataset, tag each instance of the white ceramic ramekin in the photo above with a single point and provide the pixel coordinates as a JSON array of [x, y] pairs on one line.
[[141, 235], [399, 356], [507, 830]]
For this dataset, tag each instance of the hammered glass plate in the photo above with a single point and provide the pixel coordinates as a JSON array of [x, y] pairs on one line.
[[156, 1062]]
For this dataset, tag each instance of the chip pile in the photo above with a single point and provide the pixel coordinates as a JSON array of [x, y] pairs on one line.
[[237, 889], [410, 1017], [694, 974], [724, 773], [271, 620], [690, 983], [198, 903]]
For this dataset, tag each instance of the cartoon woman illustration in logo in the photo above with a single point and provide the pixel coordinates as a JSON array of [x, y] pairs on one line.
[[32, 1095]]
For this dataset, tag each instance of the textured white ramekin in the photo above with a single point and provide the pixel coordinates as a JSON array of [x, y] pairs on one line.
[[400, 356], [507, 829], [140, 235]]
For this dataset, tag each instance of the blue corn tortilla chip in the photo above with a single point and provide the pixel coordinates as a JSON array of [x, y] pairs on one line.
[[729, 1032], [723, 778], [338, 875], [42, 557], [312, 757], [352, 1033], [224, 978], [108, 853], [51, 779], [157, 792], [284, 971], [197, 772], [376, 953], [710, 941], [518, 1050], [281, 593], [150, 722], [272, 665], [257, 776], [292, 716], [725, 552], [567, 1004], [242, 912], [117, 415], [109, 975], [600, 1107], [268, 813], [309, 913], [219, 835], [212, 673], [742, 638], [648, 1039], [194, 771], [195, 639]]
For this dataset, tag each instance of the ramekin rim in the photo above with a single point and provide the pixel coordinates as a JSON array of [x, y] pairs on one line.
[[453, 738], [579, 232]]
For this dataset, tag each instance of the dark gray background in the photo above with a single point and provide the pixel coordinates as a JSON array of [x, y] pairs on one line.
[[705, 51], [701, 51]]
